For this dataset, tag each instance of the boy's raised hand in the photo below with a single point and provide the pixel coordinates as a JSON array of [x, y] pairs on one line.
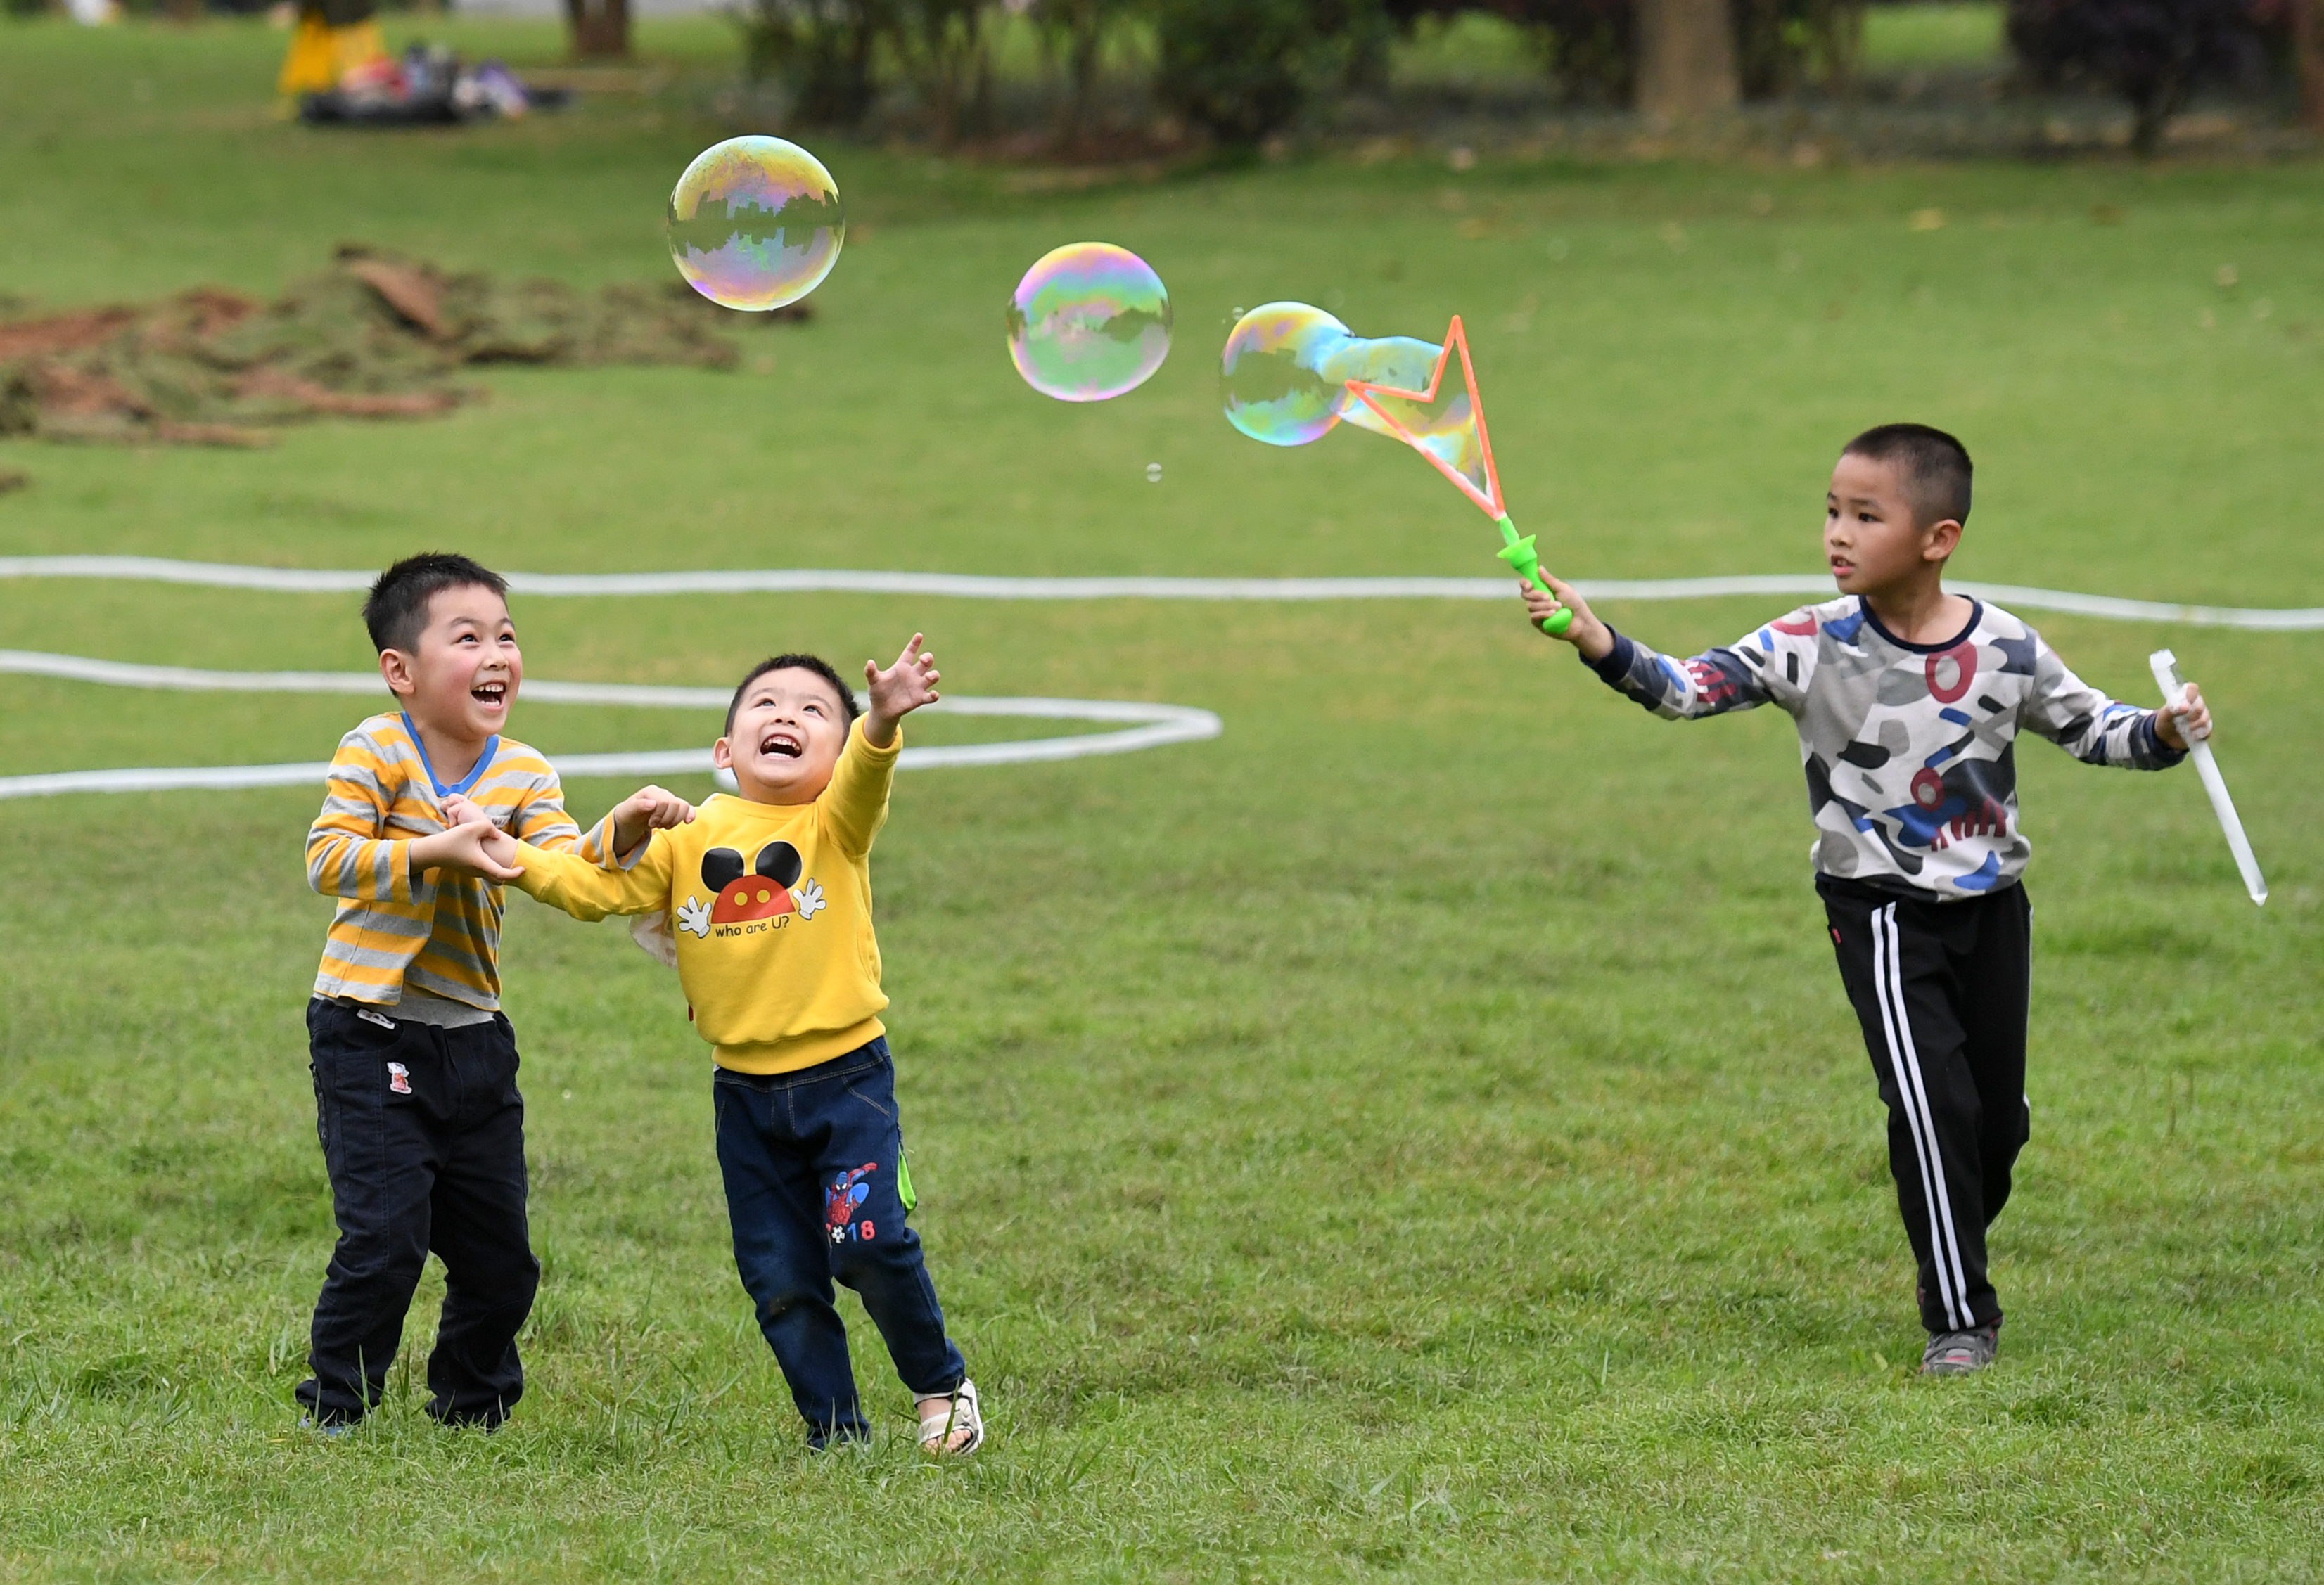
[[1587, 634], [644, 812], [898, 691]]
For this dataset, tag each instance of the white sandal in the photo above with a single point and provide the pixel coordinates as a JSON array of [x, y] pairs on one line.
[[959, 1413]]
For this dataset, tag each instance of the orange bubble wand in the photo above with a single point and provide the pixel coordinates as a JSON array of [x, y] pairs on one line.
[[1456, 444]]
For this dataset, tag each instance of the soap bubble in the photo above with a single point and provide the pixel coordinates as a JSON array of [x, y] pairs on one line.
[[1402, 362], [1089, 321], [755, 223], [1271, 374], [1284, 371]]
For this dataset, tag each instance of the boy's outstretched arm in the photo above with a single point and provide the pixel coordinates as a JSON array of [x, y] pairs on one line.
[[1771, 665], [565, 875], [616, 838], [570, 880], [2100, 731], [855, 804]]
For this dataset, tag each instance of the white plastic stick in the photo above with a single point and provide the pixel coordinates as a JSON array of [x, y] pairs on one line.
[[2165, 666]]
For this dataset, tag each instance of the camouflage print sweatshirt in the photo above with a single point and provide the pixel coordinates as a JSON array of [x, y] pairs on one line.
[[1910, 748]]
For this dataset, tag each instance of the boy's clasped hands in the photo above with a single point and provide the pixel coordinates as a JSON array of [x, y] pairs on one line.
[[471, 844]]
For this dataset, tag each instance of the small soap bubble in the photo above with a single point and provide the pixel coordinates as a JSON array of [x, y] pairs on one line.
[[1090, 321], [1153, 473], [755, 223]]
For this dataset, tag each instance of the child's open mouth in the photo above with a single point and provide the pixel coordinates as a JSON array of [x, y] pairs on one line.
[[783, 744], [490, 692]]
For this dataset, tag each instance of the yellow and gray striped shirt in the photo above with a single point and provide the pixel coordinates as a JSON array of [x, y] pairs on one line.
[[432, 931]]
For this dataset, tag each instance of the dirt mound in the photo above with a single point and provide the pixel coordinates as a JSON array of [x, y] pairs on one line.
[[376, 336]]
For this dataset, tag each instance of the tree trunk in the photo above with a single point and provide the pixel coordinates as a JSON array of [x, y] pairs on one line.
[[601, 28], [2308, 44], [1687, 58], [1083, 54]]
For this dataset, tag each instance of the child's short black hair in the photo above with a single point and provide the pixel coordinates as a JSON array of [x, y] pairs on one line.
[[1935, 466], [397, 608], [814, 663]]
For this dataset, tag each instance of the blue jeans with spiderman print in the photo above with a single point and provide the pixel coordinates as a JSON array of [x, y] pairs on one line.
[[817, 1190]]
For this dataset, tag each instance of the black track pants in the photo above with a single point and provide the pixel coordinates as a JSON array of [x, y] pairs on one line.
[[1940, 990]]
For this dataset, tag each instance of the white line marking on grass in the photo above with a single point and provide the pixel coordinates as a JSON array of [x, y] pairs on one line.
[[973, 587], [1146, 726]]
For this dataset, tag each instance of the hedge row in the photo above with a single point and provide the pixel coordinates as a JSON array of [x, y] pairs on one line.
[[1239, 71]]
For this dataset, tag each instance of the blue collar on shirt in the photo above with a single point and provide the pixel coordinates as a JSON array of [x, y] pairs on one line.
[[483, 761]]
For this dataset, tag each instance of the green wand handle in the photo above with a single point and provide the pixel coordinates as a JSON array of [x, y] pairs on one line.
[[1519, 553]]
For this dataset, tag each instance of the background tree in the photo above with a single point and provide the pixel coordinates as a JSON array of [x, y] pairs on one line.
[[2154, 53], [823, 52], [1076, 29], [1783, 45], [946, 53], [1687, 58], [2308, 52], [600, 28]]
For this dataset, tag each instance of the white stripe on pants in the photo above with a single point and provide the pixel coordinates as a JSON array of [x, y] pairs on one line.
[[1889, 985]]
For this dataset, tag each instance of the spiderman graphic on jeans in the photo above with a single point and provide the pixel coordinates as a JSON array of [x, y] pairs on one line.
[[840, 1201]]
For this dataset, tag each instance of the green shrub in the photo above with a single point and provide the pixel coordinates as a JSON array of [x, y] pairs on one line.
[[1237, 69]]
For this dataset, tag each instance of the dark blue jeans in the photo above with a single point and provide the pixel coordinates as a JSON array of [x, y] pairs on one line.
[[817, 1190], [423, 1136]]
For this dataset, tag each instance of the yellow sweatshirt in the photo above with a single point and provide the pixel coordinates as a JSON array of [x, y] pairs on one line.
[[771, 905]]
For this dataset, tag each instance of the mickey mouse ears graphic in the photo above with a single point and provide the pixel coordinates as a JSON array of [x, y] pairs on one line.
[[1448, 429]]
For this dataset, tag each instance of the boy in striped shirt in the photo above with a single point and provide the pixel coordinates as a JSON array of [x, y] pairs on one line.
[[1909, 701], [416, 1101]]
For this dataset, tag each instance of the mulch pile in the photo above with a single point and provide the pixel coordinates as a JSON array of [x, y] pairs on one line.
[[376, 336]]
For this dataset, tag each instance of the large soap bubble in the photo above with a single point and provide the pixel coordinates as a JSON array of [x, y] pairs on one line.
[[1089, 321], [755, 223], [1284, 372], [1441, 426]]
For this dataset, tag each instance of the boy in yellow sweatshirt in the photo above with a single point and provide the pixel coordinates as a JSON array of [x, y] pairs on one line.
[[769, 894]]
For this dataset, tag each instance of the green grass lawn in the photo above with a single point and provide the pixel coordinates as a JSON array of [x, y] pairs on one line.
[[1417, 1135]]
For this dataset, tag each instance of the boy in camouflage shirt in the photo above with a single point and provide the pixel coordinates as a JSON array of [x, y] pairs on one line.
[[1909, 701]]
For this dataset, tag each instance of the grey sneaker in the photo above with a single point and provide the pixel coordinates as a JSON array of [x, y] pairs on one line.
[[1961, 1353]]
